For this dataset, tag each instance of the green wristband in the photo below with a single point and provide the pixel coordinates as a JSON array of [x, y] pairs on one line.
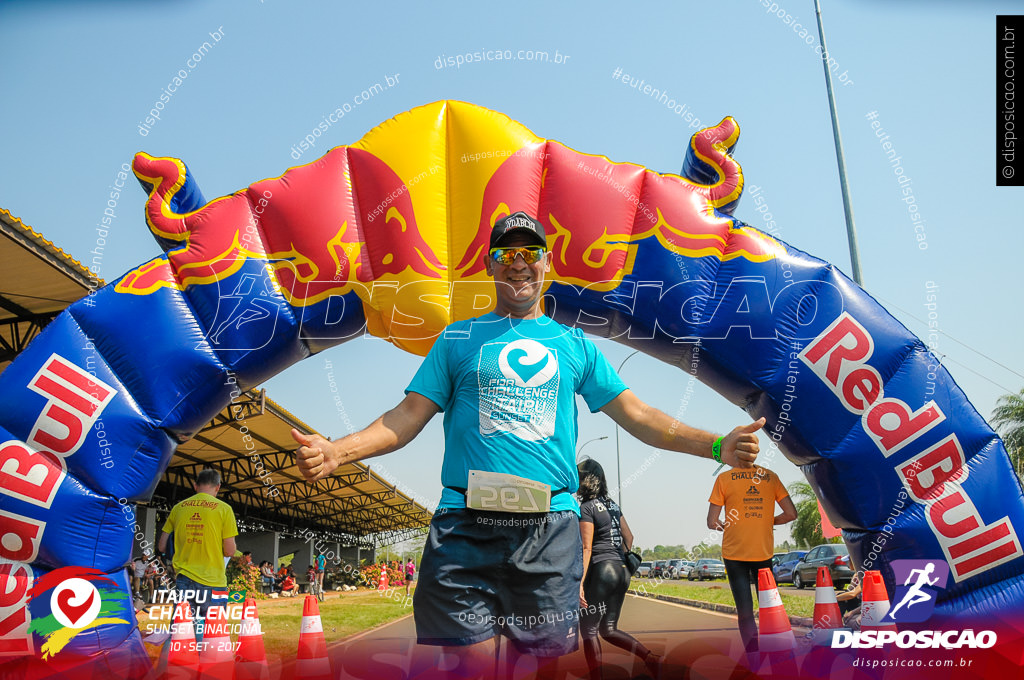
[[716, 450]]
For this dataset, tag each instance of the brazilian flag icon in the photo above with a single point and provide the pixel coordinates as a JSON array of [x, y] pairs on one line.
[[236, 596]]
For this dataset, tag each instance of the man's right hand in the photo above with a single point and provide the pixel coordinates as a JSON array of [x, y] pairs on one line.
[[316, 457]]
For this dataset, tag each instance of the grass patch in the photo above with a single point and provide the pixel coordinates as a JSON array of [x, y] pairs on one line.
[[342, 615], [796, 605]]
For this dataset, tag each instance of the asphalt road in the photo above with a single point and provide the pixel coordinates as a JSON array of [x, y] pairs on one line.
[[706, 642]]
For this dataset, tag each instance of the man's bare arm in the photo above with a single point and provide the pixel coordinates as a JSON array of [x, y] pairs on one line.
[[715, 518], [788, 513], [317, 458], [656, 428]]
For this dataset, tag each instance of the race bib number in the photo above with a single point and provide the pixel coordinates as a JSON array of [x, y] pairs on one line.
[[498, 492]]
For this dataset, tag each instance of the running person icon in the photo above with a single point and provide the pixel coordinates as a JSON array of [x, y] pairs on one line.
[[915, 595]]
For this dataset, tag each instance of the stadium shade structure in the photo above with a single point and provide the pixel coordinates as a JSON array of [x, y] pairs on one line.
[[354, 500], [38, 280]]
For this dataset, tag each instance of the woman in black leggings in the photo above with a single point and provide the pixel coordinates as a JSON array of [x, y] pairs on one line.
[[606, 537]]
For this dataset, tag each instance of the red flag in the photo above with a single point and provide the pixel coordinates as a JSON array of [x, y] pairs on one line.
[[827, 530]]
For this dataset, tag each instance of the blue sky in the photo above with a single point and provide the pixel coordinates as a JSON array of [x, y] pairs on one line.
[[80, 78]]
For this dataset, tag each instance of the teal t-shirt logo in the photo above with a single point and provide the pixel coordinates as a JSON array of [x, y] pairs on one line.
[[527, 362], [518, 389]]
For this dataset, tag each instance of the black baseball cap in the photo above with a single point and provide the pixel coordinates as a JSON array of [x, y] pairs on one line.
[[515, 223]]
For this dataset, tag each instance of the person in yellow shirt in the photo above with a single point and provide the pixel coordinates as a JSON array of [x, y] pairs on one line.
[[204, 531], [748, 495]]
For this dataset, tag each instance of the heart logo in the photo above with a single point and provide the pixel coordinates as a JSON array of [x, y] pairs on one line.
[[528, 363], [74, 612], [524, 370]]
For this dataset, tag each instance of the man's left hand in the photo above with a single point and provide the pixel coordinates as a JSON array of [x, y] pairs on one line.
[[740, 447]]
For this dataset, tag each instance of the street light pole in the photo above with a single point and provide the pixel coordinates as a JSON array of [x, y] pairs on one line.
[[595, 439], [618, 458], [851, 230]]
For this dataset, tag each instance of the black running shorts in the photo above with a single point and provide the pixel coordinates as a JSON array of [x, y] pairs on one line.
[[490, 573]]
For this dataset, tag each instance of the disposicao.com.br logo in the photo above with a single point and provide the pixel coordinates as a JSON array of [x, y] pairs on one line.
[[917, 587], [80, 599]]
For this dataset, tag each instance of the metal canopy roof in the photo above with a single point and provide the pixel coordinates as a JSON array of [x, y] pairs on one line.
[[38, 281], [354, 500]]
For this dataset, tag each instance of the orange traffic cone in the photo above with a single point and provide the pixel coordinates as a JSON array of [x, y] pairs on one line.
[[251, 658], [183, 656], [383, 583], [874, 603], [216, 659], [826, 607], [775, 633], [312, 662]]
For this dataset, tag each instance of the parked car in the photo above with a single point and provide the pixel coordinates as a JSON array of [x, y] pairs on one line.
[[676, 568], [835, 556], [707, 568], [658, 570], [644, 570], [680, 568], [783, 565]]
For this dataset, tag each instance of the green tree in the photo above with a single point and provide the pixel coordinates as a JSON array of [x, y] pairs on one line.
[[1008, 417], [704, 549], [244, 577], [412, 547], [806, 529]]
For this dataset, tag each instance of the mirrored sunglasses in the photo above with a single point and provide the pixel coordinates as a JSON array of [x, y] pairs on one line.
[[506, 256]]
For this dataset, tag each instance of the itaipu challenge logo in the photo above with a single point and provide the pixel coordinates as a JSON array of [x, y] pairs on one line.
[[78, 599]]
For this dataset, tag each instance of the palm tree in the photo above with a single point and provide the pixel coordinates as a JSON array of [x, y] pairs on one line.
[[806, 529], [1008, 417]]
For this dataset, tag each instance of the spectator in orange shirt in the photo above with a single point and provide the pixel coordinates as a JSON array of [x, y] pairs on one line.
[[289, 586], [748, 495]]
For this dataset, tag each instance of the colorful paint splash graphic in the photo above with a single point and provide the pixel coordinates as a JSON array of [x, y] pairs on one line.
[[80, 599]]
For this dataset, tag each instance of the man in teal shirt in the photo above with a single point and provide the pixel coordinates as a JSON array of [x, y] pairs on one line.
[[321, 567], [503, 555]]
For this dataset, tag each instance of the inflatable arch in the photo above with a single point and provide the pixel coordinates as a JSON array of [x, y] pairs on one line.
[[387, 236]]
